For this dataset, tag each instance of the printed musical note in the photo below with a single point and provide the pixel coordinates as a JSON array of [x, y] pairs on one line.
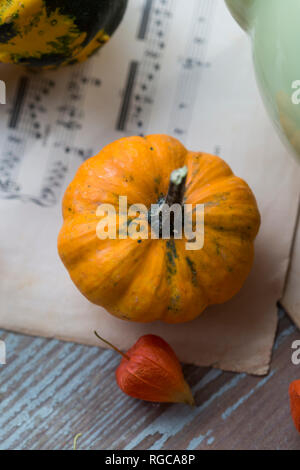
[[140, 89], [49, 118], [34, 117], [190, 70]]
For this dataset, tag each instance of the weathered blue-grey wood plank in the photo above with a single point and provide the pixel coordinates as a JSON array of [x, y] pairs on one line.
[[50, 391]]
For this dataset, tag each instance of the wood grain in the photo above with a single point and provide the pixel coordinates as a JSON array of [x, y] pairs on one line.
[[51, 390]]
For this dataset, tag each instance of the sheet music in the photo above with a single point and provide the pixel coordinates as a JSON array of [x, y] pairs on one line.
[[178, 67], [49, 111]]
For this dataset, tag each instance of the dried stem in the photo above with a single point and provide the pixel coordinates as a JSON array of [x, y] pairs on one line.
[[112, 346]]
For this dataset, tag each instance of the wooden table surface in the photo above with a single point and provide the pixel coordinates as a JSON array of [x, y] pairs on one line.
[[51, 390]]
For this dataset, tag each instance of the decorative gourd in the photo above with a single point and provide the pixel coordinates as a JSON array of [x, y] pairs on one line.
[[157, 279], [49, 33]]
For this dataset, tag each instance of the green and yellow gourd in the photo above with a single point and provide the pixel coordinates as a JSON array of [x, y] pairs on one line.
[[50, 33]]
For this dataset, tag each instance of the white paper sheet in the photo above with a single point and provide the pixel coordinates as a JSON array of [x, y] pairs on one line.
[[176, 67]]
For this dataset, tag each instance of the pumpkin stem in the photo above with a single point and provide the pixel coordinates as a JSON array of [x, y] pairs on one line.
[[175, 196], [177, 186], [112, 346]]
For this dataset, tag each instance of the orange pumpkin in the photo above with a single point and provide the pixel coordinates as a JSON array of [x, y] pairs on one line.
[[157, 279]]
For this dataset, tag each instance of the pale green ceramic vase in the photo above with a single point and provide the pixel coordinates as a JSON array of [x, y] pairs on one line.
[[274, 27]]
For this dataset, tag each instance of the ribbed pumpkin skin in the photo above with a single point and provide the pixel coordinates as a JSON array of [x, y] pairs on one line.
[[158, 279], [49, 33]]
